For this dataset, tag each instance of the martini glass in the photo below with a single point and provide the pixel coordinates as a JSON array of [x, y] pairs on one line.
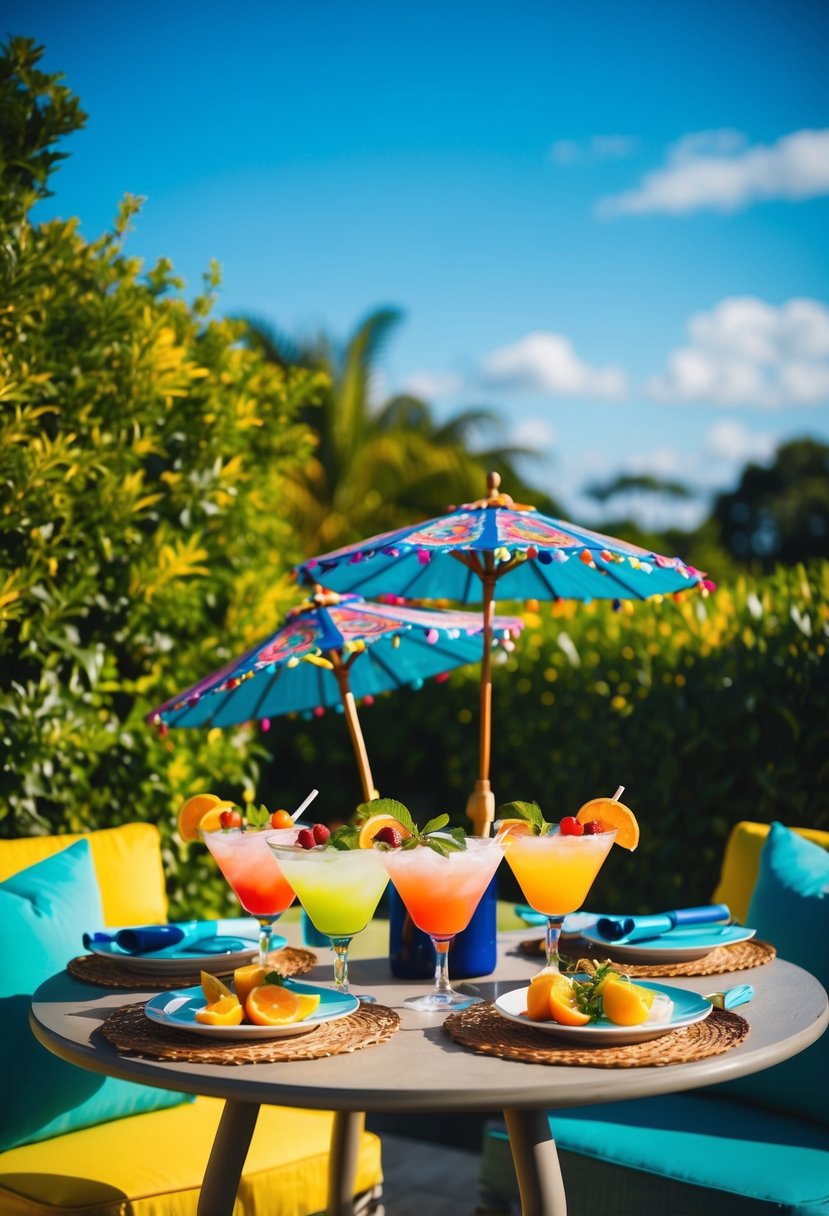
[[555, 873], [441, 893], [252, 871], [340, 890]]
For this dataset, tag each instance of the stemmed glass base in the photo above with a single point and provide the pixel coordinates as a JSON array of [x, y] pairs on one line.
[[266, 924], [340, 947], [553, 936], [443, 998]]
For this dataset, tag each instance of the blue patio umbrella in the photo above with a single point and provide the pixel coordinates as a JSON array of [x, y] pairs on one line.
[[464, 554], [329, 652]]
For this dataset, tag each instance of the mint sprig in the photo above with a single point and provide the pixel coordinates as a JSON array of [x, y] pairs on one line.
[[344, 838], [258, 816], [453, 841], [530, 811], [274, 977]]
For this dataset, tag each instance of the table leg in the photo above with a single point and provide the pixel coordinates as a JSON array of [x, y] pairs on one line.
[[536, 1163], [227, 1157], [342, 1162]]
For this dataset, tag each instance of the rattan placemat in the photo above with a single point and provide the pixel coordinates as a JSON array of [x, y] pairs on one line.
[[109, 973], [487, 1033], [739, 957], [133, 1034]]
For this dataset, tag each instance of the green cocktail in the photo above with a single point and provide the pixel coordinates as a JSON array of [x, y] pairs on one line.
[[339, 889]]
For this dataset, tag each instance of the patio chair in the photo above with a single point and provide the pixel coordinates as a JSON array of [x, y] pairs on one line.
[[751, 1147], [72, 1142]]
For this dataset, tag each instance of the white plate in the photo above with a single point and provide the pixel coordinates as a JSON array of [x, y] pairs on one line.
[[679, 945], [687, 1009], [177, 1011], [173, 960]]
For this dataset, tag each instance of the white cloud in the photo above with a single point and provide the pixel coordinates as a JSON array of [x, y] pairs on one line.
[[719, 169], [597, 148], [547, 363], [745, 352], [432, 384], [533, 433], [733, 443]]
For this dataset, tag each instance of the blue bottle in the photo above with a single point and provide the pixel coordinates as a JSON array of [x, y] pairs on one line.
[[473, 952]]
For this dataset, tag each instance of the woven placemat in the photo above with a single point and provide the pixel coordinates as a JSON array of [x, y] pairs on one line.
[[484, 1030], [739, 957], [132, 1032], [109, 973]]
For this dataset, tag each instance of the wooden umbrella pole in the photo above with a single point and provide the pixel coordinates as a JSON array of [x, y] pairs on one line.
[[354, 728], [481, 805]]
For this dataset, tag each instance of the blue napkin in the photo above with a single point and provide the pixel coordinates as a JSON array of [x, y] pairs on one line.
[[623, 930], [194, 936]]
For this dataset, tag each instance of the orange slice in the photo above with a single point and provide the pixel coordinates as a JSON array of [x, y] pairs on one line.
[[373, 825], [273, 1005], [551, 998], [513, 827], [212, 987], [613, 815], [225, 1012], [193, 813], [626, 1004], [246, 978]]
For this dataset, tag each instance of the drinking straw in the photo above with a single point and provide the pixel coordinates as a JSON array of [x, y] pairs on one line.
[[304, 805], [618, 794]]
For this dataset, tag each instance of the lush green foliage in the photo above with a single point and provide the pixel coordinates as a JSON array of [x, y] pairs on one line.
[[143, 451], [709, 711]]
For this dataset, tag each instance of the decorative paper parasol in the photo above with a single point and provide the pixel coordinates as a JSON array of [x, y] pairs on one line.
[[330, 651], [462, 555]]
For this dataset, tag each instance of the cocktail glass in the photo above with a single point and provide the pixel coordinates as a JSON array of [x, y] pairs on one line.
[[555, 873], [441, 893], [340, 890], [251, 869]]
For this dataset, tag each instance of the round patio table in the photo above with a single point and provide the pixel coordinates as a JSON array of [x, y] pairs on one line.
[[420, 1069]]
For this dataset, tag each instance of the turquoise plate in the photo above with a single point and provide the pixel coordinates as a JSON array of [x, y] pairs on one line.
[[679, 945], [177, 1011], [687, 1008]]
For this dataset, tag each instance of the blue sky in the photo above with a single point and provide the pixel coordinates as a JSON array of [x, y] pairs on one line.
[[609, 223]]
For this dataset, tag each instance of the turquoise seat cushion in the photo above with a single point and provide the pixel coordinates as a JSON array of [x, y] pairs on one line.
[[719, 1149], [44, 910], [790, 908]]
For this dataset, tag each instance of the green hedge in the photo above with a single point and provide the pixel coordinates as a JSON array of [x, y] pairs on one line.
[[708, 711]]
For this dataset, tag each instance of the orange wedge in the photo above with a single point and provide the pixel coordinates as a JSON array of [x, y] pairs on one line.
[[246, 978], [626, 1004], [513, 827], [200, 811], [225, 1012], [613, 815], [551, 998], [212, 987], [373, 825], [273, 1005]]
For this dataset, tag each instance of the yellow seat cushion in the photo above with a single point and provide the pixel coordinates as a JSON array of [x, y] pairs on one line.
[[127, 862], [153, 1165], [741, 864]]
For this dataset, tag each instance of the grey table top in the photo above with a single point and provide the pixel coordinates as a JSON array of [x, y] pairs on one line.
[[419, 1068]]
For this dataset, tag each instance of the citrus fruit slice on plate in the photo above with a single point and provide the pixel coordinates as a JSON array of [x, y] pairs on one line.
[[612, 814], [212, 987], [200, 811], [550, 997], [225, 1012], [246, 978], [373, 825], [274, 1005], [626, 1004]]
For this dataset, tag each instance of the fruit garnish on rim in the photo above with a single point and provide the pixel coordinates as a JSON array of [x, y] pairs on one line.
[[390, 826]]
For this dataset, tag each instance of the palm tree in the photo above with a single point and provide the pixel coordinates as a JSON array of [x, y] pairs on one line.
[[376, 468]]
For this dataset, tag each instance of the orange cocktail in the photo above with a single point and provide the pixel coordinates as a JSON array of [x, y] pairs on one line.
[[556, 872], [441, 892]]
